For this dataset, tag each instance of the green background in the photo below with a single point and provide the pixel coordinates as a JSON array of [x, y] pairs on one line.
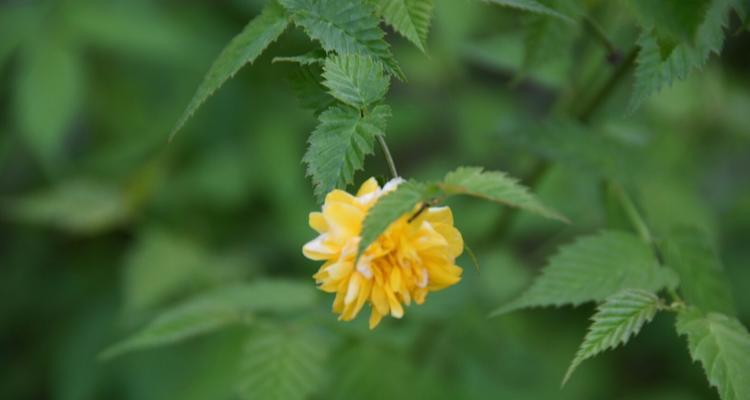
[[103, 224]]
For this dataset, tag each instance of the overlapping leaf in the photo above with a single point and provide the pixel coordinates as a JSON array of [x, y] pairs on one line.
[[214, 310], [620, 317], [307, 85], [722, 345], [410, 18], [389, 208], [655, 70], [592, 269], [340, 143], [472, 181], [242, 49], [343, 26], [356, 80]]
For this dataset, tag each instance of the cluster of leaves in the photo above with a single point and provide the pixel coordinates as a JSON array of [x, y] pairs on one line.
[[345, 78]]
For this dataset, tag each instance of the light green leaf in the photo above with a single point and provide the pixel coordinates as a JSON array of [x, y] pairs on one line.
[[343, 26], [282, 363], [340, 143], [242, 49], [703, 282], [389, 208], [592, 269], [79, 206], [722, 345], [49, 94], [214, 310], [307, 85], [163, 266], [620, 317], [494, 186], [655, 71], [410, 18], [532, 6], [355, 80]]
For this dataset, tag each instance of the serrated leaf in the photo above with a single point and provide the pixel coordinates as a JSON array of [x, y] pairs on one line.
[[339, 144], [343, 26], [214, 310], [722, 345], [655, 70], [592, 269], [677, 18], [307, 85], [703, 283], [282, 364], [242, 49], [620, 317], [389, 208], [355, 80], [410, 18], [497, 187], [532, 6]]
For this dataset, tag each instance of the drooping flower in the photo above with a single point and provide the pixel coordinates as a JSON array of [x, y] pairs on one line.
[[410, 259]]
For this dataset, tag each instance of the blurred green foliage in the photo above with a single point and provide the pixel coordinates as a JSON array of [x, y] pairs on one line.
[[103, 225]]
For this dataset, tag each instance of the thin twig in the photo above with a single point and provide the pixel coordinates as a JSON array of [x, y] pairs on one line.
[[388, 157]]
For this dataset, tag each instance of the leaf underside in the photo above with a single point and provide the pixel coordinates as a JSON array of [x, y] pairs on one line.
[[722, 345]]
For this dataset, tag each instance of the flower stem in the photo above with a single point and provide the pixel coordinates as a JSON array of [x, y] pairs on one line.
[[388, 157]]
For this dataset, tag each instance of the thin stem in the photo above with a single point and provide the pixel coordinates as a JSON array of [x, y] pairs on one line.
[[606, 90], [593, 27], [627, 204], [542, 166], [388, 157]]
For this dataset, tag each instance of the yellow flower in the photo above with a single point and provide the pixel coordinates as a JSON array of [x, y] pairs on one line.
[[408, 260]]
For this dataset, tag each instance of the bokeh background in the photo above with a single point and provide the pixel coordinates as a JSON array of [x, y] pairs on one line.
[[103, 224]]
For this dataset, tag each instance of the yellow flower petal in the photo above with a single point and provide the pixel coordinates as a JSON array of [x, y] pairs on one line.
[[407, 261]]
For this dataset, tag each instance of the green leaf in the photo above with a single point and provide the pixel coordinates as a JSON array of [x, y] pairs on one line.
[[472, 181], [620, 317], [214, 310], [410, 18], [678, 18], [592, 269], [722, 345], [343, 26], [355, 80], [339, 144], [78, 206], [389, 208], [163, 266], [307, 85], [654, 70], [282, 364], [703, 282], [49, 94], [242, 49], [494, 186], [532, 6]]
